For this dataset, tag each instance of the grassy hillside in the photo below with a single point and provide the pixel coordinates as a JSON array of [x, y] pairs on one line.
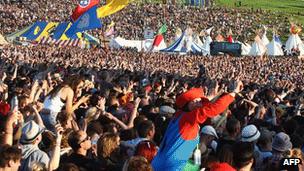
[[294, 9]]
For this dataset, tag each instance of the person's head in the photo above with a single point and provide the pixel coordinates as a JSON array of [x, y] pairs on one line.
[[250, 133], [139, 119], [31, 133], [10, 157], [281, 143], [75, 82], [233, 127], [265, 140], [137, 163], [107, 144], [68, 167], [243, 155], [146, 129], [190, 100], [146, 149], [208, 134], [79, 141], [225, 154], [48, 141]]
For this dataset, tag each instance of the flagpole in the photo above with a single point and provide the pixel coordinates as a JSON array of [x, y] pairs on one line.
[[104, 42]]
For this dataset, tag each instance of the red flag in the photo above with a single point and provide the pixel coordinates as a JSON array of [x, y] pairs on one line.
[[83, 6]]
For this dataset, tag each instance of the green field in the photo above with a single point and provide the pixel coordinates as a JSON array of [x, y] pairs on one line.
[[294, 9]]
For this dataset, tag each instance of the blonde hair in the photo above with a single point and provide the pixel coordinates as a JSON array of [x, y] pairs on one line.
[[37, 166], [295, 153], [137, 163], [107, 144]]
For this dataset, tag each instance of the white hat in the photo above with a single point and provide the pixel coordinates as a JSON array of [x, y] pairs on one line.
[[250, 133], [163, 110], [281, 142], [30, 131], [209, 130]]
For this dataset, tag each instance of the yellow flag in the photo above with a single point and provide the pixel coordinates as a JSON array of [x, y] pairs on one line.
[[111, 7], [46, 30], [65, 37]]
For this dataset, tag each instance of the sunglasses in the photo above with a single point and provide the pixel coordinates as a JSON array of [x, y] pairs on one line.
[[87, 138]]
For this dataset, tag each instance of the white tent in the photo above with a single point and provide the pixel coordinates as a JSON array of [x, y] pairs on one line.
[[274, 48], [185, 44], [140, 45], [257, 48], [294, 42], [206, 44], [158, 43], [2, 40], [245, 48], [265, 39]]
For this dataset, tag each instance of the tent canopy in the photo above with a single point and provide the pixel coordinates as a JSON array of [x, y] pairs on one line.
[[185, 44], [2, 40]]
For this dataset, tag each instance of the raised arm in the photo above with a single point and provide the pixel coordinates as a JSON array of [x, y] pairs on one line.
[[55, 156], [211, 109]]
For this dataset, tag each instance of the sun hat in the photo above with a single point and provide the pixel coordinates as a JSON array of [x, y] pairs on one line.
[[30, 131], [209, 130], [281, 142], [250, 133], [188, 96], [164, 110]]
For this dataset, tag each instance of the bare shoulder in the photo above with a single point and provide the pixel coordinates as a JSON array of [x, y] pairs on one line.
[[65, 91]]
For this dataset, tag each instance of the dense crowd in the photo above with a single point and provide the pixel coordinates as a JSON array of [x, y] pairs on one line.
[[110, 110]]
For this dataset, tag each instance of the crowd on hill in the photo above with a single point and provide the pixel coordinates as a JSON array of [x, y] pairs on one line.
[[132, 21], [83, 109]]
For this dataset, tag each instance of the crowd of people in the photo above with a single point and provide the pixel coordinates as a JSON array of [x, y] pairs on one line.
[[71, 109], [90, 109]]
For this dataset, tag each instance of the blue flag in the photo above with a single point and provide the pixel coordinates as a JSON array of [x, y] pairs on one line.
[[86, 21], [60, 30], [35, 30]]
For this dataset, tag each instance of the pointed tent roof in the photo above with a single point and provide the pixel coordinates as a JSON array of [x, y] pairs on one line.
[[184, 44], [257, 48], [274, 48], [294, 42], [245, 48], [158, 43], [265, 39], [2, 40]]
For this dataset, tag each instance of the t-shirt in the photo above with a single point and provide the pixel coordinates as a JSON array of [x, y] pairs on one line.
[[83, 162], [32, 154]]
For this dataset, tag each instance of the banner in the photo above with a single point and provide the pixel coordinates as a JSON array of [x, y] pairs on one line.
[[234, 49]]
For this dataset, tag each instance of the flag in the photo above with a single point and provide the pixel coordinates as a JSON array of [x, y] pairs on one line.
[[111, 7], [83, 7], [163, 29], [87, 21], [110, 30], [159, 42], [35, 30]]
